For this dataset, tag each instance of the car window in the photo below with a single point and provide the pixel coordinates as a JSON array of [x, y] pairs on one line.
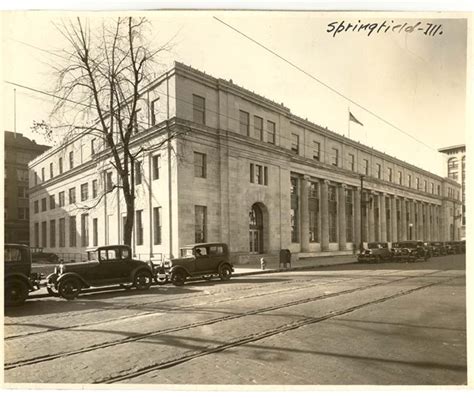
[[103, 255], [92, 255], [216, 250], [111, 254], [201, 251], [187, 253], [13, 254], [125, 253]]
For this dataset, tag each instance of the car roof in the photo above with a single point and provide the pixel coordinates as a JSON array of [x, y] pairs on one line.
[[19, 245], [203, 244], [91, 249]]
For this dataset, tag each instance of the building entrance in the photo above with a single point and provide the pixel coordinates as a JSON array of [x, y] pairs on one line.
[[255, 230]]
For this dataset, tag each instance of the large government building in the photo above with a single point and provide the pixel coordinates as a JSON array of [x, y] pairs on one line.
[[243, 170]]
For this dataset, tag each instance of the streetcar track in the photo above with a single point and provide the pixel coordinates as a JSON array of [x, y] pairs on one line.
[[259, 336], [141, 336]]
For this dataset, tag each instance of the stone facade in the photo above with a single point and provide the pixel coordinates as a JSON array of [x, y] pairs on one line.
[[244, 171]]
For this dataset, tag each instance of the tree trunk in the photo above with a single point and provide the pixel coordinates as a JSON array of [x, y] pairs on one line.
[[129, 195]]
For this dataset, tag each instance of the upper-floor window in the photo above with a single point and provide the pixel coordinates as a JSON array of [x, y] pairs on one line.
[[52, 202], [366, 167], [258, 127], [93, 146], [271, 132], [156, 164], [199, 109], [390, 174], [109, 183], [316, 150], [72, 195], [60, 165], [244, 123], [51, 171], [258, 174], [351, 162], [61, 201], [94, 188], [335, 157], [438, 189], [400, 177], [409, 181], [138, 172], [36, 206], [295, 143], [43, 204], [71, 160], [432, 188], [84, 191], [417, 183], [426, 186], [154, 110], [42, 174], [199, 165], [379, 170], [452, 164]]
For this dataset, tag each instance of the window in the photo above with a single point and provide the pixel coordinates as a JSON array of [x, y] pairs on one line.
[[453, 176], [85, 230], [295, 143], [199, 165], [23, 213], [84, 192], [42, 174], [366, 167], [258, 127], [452, 164], [51, 173], [244, 123], [432, 188], [409, 181], [156, 164], [61, 199], [109, 181], [36, 207], [154, 111], [417, 183], [157, 225], [199, 109], [94, 188], [62, 232], [52, 202], [36, 177], [400, 178], [139, 221], [271, 132], [425, 186], [379, 171], [44, 232], [313, 207], [200, 224], [138, 172], [335, 157], [93, 146], [350, 215], [43, 204], [72, 195], [60, 165], [352, 162], [95, 235], [52, 233], [258, 174], [316, 150], [37, 239], [294, 216], [136, 125], [332, 210], [22, 192], [390, 174], [71, 160]]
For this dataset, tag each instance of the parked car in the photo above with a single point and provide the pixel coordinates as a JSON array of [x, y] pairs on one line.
[[375, 252], [203, 259], [106, 266], [40, 256], [19, 281], [438, 249], [410, 250], [457, 247], [450, 249]]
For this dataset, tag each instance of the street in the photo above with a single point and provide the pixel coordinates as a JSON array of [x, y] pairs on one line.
[[351, 324]]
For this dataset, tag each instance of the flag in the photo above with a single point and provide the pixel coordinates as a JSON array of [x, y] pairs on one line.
[[352, 118]]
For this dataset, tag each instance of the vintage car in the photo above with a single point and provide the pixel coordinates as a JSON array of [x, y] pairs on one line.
[[457, 247], [106, 266], [450, 248], [375, 252], [438, 249], [201, 260], [410, 250], [18, 278], [40, 256]]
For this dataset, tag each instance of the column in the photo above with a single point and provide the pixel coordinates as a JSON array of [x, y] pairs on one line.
[[341, 213], [427, 222], [411, 231], [357, 219], [371, 207], [383, 218], [393, 217], [304, 223], [403, 220], [421, 225], [324, 216]]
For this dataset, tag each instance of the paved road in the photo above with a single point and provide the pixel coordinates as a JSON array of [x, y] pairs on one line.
[[401, 324]]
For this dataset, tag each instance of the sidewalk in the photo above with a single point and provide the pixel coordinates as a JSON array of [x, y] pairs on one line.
[[306, 263]]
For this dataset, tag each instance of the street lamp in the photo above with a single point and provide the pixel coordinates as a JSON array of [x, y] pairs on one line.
[[411, 226]]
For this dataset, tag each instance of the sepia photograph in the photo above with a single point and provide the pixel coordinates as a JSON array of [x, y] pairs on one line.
[[235, 198]]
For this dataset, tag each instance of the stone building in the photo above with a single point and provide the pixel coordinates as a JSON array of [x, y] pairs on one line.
[[456, 170], [19, 150], [244, 171]]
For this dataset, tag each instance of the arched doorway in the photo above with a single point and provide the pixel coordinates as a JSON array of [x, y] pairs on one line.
[[256, 229]]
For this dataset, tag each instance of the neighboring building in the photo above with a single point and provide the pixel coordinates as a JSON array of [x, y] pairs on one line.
[[246, 172], [19, 150], [456, 169]]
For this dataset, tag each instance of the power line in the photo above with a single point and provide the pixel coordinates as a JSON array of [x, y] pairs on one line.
[[324, 84]]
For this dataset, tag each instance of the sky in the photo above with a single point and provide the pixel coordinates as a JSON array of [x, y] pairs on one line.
[[390, 81]]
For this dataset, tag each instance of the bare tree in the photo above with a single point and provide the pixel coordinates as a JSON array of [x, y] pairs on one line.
[[103, 75]]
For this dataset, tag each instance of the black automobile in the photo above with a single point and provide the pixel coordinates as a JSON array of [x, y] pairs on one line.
[[204, 260], [410, 250], [106, 266], [450, 248], [40, 256], [438, 249], [18, 278], [457, 247], [375, 252]]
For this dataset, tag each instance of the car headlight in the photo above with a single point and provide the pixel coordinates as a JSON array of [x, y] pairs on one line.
[[61, 268]]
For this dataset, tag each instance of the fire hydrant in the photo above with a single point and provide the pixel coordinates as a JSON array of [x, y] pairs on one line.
[[263, 263]]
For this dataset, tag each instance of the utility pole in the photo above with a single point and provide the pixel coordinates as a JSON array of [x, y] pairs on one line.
[[361, 246]]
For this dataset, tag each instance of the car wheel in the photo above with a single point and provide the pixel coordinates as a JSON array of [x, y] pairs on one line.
[[52, 292], [225, 272], [16, 292], [69, 288], [142, 280], [178, 278]]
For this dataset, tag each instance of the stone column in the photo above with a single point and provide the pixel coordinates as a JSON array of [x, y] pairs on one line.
[[393, 218], [382, 218], [324, 216], [403, 220], [411, 221], [341, 214], [304, 223], [421, 225], [371, 208], [427, 222], [357, 219]]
